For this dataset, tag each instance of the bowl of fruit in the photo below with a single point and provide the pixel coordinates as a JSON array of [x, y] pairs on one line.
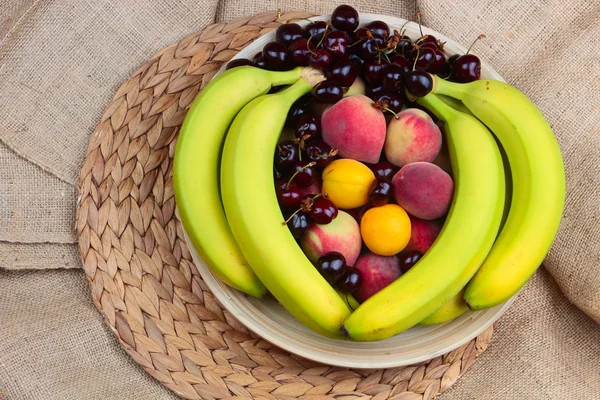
[[362, 191]]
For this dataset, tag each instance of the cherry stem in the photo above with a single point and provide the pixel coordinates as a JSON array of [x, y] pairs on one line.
[[279, 15], [308, 46], [390, 111], [358, 41], [387, 58], [310, 164], [419, 19], [291, 216], [475, 41], [417, 57], [327, 25]]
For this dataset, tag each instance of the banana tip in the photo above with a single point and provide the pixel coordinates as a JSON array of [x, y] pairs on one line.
[[345, 332]]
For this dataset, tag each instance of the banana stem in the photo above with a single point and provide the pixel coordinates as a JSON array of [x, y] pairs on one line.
[[434, 104], [451, 89], [285, 77]]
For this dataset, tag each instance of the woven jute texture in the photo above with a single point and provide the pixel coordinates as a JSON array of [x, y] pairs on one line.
[[140, 270]]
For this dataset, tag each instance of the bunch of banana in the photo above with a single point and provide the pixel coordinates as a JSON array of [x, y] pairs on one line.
[[529, 219]]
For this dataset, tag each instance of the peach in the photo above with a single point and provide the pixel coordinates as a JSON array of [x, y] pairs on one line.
[[341, 235], [423, 189], [422, 234], [412, 137], [376, 272], [355, 128]]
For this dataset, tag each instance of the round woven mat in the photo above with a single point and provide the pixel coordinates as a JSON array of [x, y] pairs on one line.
[[140, 270]]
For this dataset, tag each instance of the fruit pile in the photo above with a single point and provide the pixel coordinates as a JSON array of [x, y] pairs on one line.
[[355, 178]]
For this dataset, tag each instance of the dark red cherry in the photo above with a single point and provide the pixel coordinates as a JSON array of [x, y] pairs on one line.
[[239, 62], [369, 48], [299, 108], [299, 52], [418, 83], [466, 68], [402, 62], [392, 77], [303, 174], [384, 170], [316, 31], [320, 152], [446, 71], [373, 71], [344, 71], [320, 59], [453, 58], [336, 43], [307, 125], [374, 91], [393, 101], [428, 39], [286, 34], [351, 280], [323, 211], [298, 223], [332, 266], [425, 57], [259, 61], [438, 62], [344, 18], [286, 154], [404, 47], [289, 193], [328, 92], [276, 56], [408, 260], [379, 28], [380, 195]]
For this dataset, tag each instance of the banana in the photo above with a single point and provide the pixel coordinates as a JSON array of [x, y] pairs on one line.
[[452, 309], [538, 187], [464, 242], [196, 170], [255, 218]]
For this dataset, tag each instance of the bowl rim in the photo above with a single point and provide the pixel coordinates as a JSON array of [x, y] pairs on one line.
[[219, 289]]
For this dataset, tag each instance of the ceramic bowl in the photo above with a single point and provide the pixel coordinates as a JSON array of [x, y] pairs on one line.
[[268, 319]]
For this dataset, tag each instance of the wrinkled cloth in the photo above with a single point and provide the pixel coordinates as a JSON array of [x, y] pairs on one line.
[[61, 61]]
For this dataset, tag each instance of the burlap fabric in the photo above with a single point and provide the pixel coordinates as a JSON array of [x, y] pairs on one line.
[[61, 61]]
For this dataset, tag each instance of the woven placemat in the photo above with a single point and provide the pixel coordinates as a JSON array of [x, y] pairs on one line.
[[140, 270]]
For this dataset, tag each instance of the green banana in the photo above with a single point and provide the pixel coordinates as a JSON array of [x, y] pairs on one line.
[[255, 218], [538, 187], [196, 169], [464, 242], [452, 309]]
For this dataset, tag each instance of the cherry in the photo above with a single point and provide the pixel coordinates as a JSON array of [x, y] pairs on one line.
[[418, 83], [404, 46], [452, 58], [438, 62], [356, 59], [288, 33], [286, 154], [344, 71], [380, 195], [323, 211], [239, 62], [373, 71], [344, 18], [319, 59], [409, 260], [298, 223], [369, 48], [259, 61], [374, 91], [289, 193], [401, 61], [467, 68], [304, 173], [315, 30], [389, 101], [307, 125], [428, 39], [384, 170], [424, 58], [276, 56], [332, 266], [379, 28], [446, 71], [328, 92], [299, 108], [299, 52], [320, 152], [336, 43], [351, 280], [392, 77]]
